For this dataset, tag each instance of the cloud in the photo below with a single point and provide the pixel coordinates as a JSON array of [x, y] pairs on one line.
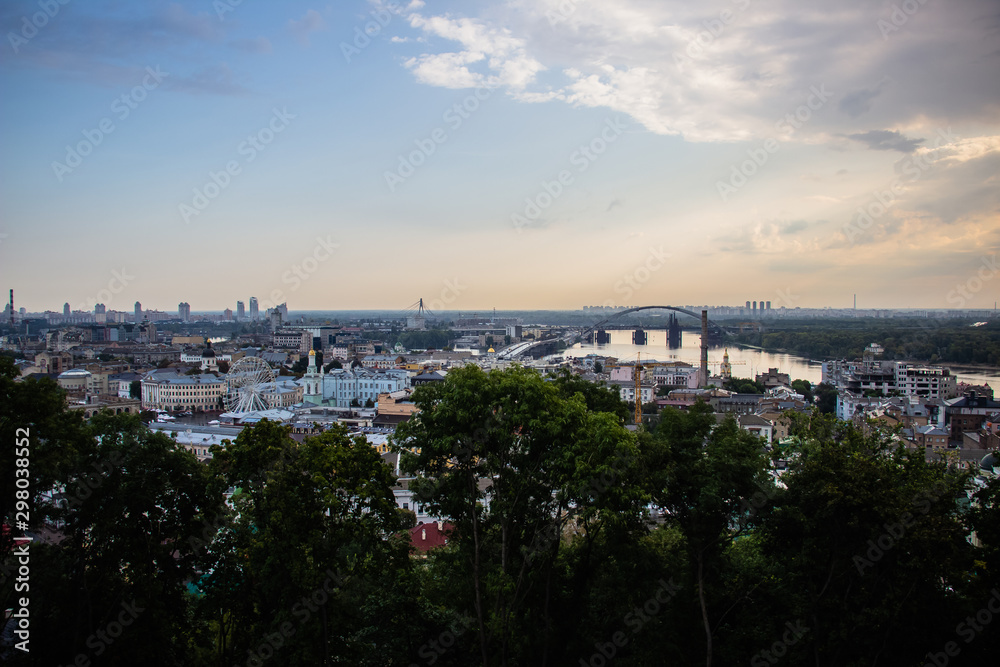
[[860, 101], [500, 58], [310, 22], [886, 140], [725, 70]]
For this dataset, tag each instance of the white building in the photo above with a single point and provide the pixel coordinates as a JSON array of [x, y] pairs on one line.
[[166, 390], [312, 381], [342, 386], [627, 391], [925, 381]]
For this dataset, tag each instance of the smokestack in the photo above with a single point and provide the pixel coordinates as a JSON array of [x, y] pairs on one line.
[[704, 349]]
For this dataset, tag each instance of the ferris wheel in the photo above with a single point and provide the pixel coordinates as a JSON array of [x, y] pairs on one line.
[[246, 383]]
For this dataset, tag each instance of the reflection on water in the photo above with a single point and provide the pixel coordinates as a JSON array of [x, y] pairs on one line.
[[747, 362]]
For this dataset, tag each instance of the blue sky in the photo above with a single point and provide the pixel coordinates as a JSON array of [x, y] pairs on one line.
[[544, 154]]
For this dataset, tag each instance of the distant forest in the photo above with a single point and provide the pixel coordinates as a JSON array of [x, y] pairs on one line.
[[931, 341]]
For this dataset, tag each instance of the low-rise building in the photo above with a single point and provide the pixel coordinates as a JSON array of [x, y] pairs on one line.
[[342, 387], [773, 378], [968, 413], [166, 390], [382, 361], [757, 425]]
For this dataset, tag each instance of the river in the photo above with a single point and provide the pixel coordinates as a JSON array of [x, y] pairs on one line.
[[747, 362]]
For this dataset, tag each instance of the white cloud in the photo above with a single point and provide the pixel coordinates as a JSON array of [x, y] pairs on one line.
[[724, 70]]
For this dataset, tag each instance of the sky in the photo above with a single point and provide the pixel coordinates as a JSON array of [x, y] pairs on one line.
[[518, 155]]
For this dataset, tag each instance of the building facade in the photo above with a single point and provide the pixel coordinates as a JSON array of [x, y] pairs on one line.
[[166, 390], [341, 387]]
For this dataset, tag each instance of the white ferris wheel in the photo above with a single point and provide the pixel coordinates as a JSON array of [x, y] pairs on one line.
[[246, 383]]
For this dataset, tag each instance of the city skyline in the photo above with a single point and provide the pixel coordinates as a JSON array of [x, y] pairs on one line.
[[543, 155]]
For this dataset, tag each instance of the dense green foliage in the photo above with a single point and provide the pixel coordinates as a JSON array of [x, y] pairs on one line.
[[574, 539], [743, 386], [928, 340]]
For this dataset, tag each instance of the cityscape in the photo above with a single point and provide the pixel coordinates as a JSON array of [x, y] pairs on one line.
[[500, 333]]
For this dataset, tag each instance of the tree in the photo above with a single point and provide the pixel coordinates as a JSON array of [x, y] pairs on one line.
[[135, 389], [163, 363], [223, 366], [133, 501], [314, 522], [40, 437], [803, 387], [743, 386], [598, 367], [547, 462], [826, 398], [369, 403], [867, 533], [703, 477], [333, 364]]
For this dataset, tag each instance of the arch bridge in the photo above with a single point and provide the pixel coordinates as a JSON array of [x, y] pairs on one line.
[[713, 328], [518, 349]]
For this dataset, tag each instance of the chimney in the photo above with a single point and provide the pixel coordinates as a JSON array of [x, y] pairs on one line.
[[703, 372]]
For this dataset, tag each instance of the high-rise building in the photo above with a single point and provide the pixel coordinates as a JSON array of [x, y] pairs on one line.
[[138, 312], [241, 313], [184, 310], [748, 306], [254, 311], [227, 314], [66, 310], [100, 309], [769, 305]]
